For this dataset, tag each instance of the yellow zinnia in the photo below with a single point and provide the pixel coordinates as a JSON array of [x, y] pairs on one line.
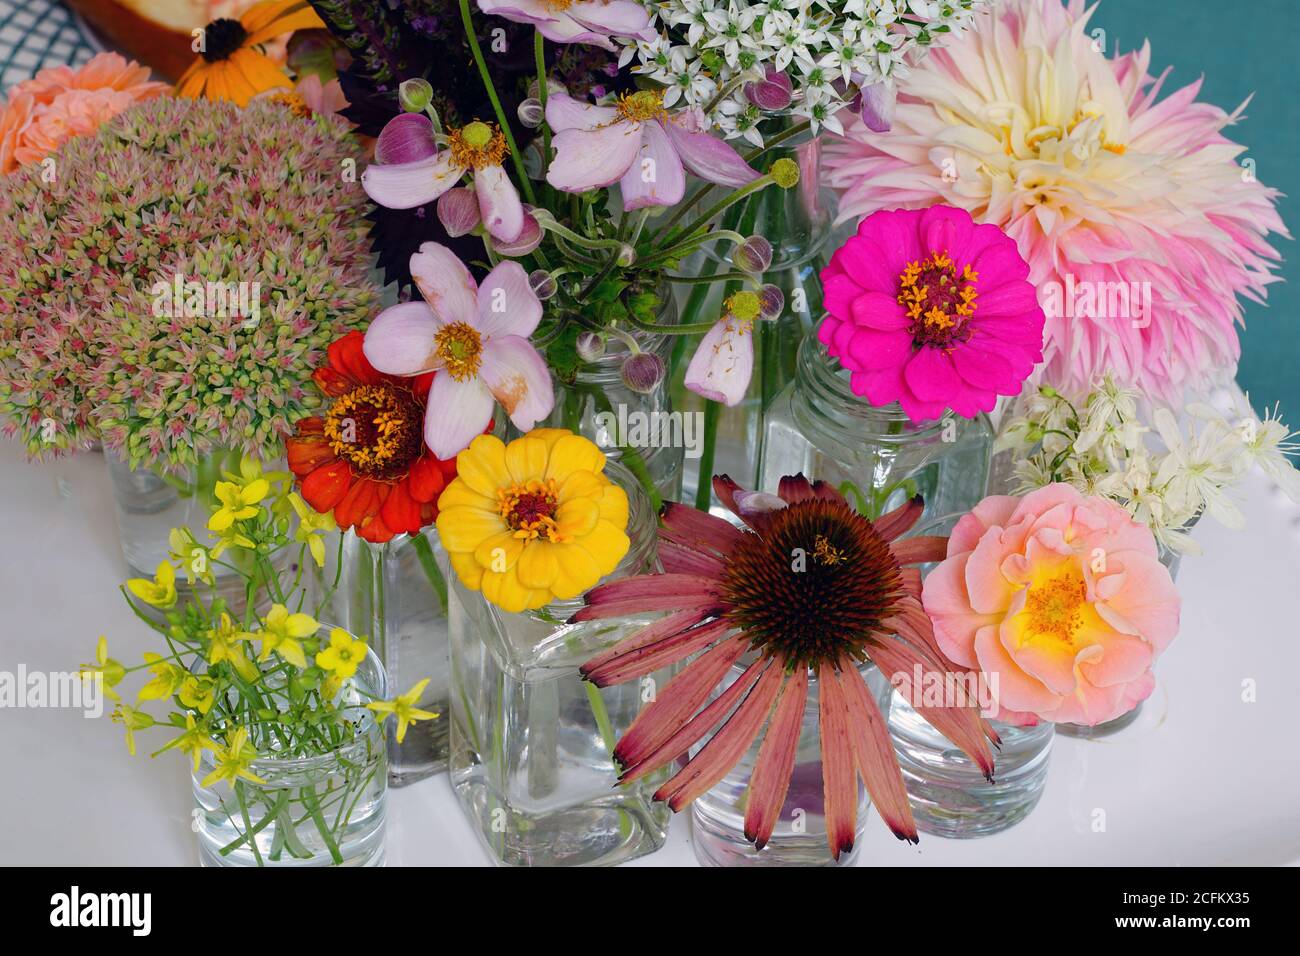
[[532, 521]]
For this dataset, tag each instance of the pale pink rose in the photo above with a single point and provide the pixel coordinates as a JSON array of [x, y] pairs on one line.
[[1059, 600]]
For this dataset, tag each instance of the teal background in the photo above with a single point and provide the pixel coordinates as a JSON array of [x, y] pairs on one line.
[[1241, 48]]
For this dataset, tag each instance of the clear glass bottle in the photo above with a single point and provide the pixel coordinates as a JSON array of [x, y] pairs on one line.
[[799, 839], [876, 457], [327, 810], [531, 742], [395, 595]]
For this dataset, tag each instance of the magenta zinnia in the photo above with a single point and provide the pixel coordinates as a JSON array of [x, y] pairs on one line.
[[736, 596]]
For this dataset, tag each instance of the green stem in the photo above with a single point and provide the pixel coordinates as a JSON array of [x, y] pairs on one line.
[[254, 829], [539, 54], [601, 714], [704, 492], [424, 551], [308, 797], [515, 156], [718, 207], [248, 823]]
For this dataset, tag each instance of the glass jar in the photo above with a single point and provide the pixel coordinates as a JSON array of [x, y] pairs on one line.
[[877, 457], [325, 810], [532, 743], [799, 838], [396, 597]]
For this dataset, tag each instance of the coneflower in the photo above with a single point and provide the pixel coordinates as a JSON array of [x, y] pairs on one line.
[[810, 589]]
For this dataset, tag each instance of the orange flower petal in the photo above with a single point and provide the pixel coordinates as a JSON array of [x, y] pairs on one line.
[[325, 487]]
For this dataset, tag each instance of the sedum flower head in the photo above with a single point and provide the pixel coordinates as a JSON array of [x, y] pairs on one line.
[[253, 208]]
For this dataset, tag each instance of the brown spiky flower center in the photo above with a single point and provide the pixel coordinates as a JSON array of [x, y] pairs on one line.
[[814, 585], [378, 429]]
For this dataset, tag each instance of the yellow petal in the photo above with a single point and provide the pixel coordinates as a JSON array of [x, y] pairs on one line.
[[510, 548], [606, 544], [582, 484], [577, 517], [613, 506], [467, 569], [505, 591], [460, 495], [464, 529], [483, 465], [252, 73], [537, 566], [578, 571], [573, 453], [526, 459]]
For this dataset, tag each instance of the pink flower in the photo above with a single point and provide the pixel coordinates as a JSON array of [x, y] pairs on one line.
[[723, 362], [1059, 600], [1140, 226], [638, 145], [580, 21], [62, 102], [475, 341], [425, 173], [929, 310], [324, 99]]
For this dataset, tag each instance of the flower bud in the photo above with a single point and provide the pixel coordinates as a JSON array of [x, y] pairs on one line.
[[529, 238], [626, 255], [643, 372], [771, 302], [414, 95], [543, 284], [590, 346], [531, 113], [458, 211], [754, 255], [406, 138], [785, 173], [773, 92]]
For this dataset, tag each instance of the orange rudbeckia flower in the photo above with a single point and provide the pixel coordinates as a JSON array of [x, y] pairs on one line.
[[365, 459], [231, 65]]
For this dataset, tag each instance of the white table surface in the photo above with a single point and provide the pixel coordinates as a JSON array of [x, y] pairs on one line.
[[1202, 777]]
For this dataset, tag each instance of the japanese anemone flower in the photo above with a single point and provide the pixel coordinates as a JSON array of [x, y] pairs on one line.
[[1027, 125], [533, 521], [929, 310], [735, 596], [1059, 595], [365, 459], [593, 22]]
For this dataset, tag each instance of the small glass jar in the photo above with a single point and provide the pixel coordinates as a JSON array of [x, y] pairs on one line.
[[532, 742], [799, 838], [877, 457], [326, 810], [396, 597]]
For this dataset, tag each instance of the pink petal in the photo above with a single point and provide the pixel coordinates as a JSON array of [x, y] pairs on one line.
[[870, 350], [708, 157], [406, 138], [407, 185], [878, 103], [878, 310], [498, 201], [590, 159], [458, 413], [770, 780], [665, 627], [400, 340], [839, 775], [722, 365], [507, 304], [563, 112], [621, 18], [445, 284], [656, 177], [519, 379], [699, 529], [1016, 690], [873, 752], [894, 523], [930, 375]]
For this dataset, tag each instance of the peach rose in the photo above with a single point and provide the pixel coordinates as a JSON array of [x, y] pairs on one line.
[[1059, 600]]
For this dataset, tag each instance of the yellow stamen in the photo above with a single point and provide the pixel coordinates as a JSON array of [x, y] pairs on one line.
[[461, 349], [1055, 608], [477, 145], [641, 106], [826, 553], [529, 510]]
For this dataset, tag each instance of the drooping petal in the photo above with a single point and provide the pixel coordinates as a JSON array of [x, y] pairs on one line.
[[873, 752], [920, 549], [661, 629], [770, 780], [656, 176], [708, 157], [519, 379], [901, 520], [498, 202], [407, 185], [507, 304], [839, 776], [590, 159], [648, 592], [646, 660], [445, 284], [700, 529], [723, 363], [457, 414], [679, 559], [400, 341], [563, 112]]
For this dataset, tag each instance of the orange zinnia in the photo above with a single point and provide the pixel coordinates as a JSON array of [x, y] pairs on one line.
[[231, 67], [365, 459]]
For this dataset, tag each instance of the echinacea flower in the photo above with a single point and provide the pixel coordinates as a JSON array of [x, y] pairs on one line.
[[426, 173], [61, 102], [1116, 197], [473, 339], [595, 22], [230, 66], [365, 461], [640, 145], [743, 597], [929, 310], [1059, 595], [533, 521], [403, 708]]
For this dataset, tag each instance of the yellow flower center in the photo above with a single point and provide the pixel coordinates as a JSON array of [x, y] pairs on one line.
[[478, 145], [557, 5], [744, 306], [529, 509], [826, 553], [641, 106], [460, 347], [1056, 607], [377, 428], [938, 299]]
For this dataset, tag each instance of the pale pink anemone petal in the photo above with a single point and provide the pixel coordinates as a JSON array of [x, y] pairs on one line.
[[458, 412], [656, 176], [1087, 550], [400, 340], [458, 211], [705, 155], [407, 185], [445, 283], [529, 238], [406, 138], [591, 158], [563, 112], [722, 365], [1117, 189], [499, 204], [519, 379], [592, 22], [507, 304], [878, 102]]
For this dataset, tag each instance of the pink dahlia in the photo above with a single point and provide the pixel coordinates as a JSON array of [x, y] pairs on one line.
[[929, 310], [1060, 602], [1139, 227], [61, 102]]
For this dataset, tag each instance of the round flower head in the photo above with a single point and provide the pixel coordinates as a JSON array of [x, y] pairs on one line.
[[365, 459], [731, 593], [1139, 225], [929, 310], [533, 521], [1059, 600]]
